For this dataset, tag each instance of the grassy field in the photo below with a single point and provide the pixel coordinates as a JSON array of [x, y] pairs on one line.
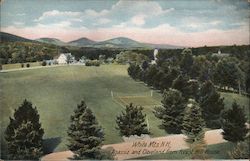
[[18, 65], [243, 101], [56, 92]]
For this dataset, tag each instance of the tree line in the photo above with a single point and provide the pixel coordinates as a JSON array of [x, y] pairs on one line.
[[191, 100]]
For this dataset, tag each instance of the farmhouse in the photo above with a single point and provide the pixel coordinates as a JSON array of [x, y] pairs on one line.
[[65, 58]]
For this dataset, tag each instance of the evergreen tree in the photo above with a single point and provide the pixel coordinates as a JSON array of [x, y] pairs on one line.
[[212, 104], [144, 65], [150, 73], [193, 125], [132, 121], [181, 84], [186, 61], [85, 135], [171, 113], [24, 134], [233, 124], [193, 89]]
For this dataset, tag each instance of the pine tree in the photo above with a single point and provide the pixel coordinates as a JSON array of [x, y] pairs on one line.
[[233, 124], [85, 135], [132, 121], [24, 134], [193, 125], [212, 104], [181, 84], [171, 113]]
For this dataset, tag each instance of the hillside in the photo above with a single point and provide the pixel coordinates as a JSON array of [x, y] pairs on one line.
[[6, 37], [81, 42], [52, 41]]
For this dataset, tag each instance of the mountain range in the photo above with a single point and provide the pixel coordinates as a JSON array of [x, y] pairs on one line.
[[119, 42]]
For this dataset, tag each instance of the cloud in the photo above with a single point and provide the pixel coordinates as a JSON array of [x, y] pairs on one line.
[[138, 20], [104, 21], [93, 13], [55, 13], [21, 14], [18, 23]]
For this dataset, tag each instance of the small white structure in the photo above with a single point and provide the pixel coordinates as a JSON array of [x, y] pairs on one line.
[[220, 54], [65, 58], [155, 56]]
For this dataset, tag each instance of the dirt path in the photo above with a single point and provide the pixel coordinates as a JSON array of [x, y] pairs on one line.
[[133, 149]]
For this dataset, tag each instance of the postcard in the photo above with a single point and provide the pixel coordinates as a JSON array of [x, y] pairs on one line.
[[124, 80]]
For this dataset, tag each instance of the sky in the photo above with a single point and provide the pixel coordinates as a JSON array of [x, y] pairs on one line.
[[177, 22]]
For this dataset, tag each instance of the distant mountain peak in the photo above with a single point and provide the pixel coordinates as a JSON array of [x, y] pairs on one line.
[[82, 42]]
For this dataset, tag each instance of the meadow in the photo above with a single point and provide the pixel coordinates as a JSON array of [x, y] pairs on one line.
[[57, 91], [18, 65]]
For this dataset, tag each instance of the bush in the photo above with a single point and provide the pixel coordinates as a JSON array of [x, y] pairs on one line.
[[44, 63], [22, 65], [92, 63], [28, 65]]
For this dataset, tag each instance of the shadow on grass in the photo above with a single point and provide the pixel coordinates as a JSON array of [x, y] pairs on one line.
[[50, 144]]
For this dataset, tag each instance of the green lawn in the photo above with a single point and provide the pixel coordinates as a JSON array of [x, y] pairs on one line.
[[242, 100], [218, 151], [18, 65], [56, 92]]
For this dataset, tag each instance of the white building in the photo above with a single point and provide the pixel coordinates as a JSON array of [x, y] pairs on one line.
[[220, 54], [65, 58], [155, 56]]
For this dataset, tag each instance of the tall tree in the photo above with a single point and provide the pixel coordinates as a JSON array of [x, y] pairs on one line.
[[233, 124], [186, 61], [132, 121], [171, 112], [212, 104], [193, 125], [85, 134], [150, 73], [24, 134], [227, 73], [181, 84]]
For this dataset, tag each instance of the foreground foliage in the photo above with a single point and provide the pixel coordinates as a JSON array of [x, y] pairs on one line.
[[24, 134], [233, 124], [132, 121], [171, 113], [85, 135]]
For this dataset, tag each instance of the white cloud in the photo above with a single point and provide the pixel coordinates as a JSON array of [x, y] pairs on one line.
[[18, 23], [104, 21], [138, 20], [55, 13], [93, 13], [21, 14]]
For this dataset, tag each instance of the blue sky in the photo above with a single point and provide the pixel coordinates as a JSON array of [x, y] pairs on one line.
[[182, 22]]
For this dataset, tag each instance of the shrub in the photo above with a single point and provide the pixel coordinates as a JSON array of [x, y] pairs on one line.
[[28, 65], [44, 63], [22, 65]]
